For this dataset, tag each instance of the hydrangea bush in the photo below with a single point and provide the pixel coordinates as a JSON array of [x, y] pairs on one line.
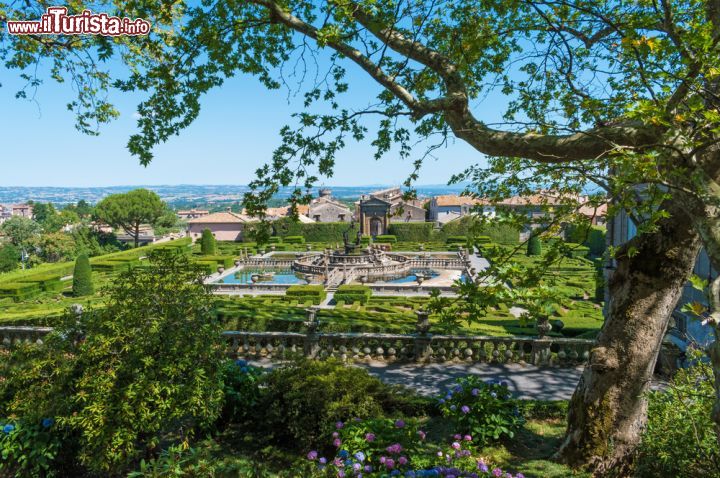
[[385, 448], [241, 386], [485, 410], [29, 449]]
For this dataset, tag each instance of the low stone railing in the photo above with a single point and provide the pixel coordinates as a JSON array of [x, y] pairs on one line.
[[365, 347]]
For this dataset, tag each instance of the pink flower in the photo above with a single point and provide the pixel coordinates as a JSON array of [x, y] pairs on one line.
[[382, 459], [497, 472], [339, 425], [400, 424], [312, 455], [390, 463], [370, 436], [402, 460], [457, 436], [468, 438], [336, 434], [456, 445], [337, 443], [421, 434]]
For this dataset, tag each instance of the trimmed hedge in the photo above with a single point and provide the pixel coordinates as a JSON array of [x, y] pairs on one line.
[[592, 237], [20, 291], [534, 247], [226, 261], [208, 246], [412, 231], [313, 232], [578, 250], [274, 240], [294, 240], [386, 239], [316, 293], [351, 294], [47, 282], [457, 240], [500, 233]]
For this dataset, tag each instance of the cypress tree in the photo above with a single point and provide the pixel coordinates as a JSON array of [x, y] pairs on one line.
[[207, 244], [82, 277], [534, 248]]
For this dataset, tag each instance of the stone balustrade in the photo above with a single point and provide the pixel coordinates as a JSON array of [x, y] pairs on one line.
[[365, 347]]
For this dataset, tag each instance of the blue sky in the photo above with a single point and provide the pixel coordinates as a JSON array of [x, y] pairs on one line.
[[236, 133]]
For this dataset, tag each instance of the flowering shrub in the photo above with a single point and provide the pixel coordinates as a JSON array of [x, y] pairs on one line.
[[241, 386], [28, 449], [382, 448], [483, 409]]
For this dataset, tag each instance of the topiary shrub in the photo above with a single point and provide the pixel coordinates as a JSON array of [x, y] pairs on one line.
[[82, 277], [294, 240], [316, 293], [208, 246], [304, 401], [534, 247]]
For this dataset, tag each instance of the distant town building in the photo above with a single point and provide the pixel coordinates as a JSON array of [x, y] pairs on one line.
[[446, 208], [5, 213], [225, 226], [23, 210], [324, 208], [192, 213]]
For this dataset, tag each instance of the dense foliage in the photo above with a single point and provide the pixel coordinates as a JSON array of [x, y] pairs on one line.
[[534, 246], [125, 380], [680, 439], [128, 211]]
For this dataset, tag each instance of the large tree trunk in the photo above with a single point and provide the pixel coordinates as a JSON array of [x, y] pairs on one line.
[[608, 410]]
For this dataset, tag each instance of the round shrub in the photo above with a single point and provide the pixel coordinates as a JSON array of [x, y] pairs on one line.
[[82, 277], [304, 401], [483, 409], [208, 246]]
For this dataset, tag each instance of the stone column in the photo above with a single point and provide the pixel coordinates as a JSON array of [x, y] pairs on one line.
[[422, 336]]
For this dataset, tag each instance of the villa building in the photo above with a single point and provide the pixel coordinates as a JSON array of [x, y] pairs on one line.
[[448, 207], [375, 211], [225, 226], [22, 210]]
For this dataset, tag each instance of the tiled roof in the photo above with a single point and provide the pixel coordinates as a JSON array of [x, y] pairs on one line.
[[593, 211], [221, 218], [453, 200]]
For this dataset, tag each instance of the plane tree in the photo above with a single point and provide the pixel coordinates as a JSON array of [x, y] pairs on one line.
[[622, 96]]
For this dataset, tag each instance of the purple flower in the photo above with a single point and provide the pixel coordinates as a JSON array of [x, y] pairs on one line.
[[335, 435], [312, 455], [394, 449], [457, 436], [339, 425], [402, 460], [368, 468], [360, 456], [497, 472], [370, 437], [442, 400], [341, 474], [465, 409], [323, 460], [357, 466], [421, 434], [467, 438], [519, 475], [400, 424], [390, 463], [482, 467], [456, 445], [475, 392], [337, 443]]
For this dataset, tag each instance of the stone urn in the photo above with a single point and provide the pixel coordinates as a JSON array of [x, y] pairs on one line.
[[422, 326], [363, 279], [308, 247], [558, 325], [254, 278], [419, 278], [220, 269], [422, 247], [237, 262], [543, 327], [272, 247], [308, 278]]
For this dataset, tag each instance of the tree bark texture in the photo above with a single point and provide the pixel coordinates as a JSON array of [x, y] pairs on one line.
[[608, 409]]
